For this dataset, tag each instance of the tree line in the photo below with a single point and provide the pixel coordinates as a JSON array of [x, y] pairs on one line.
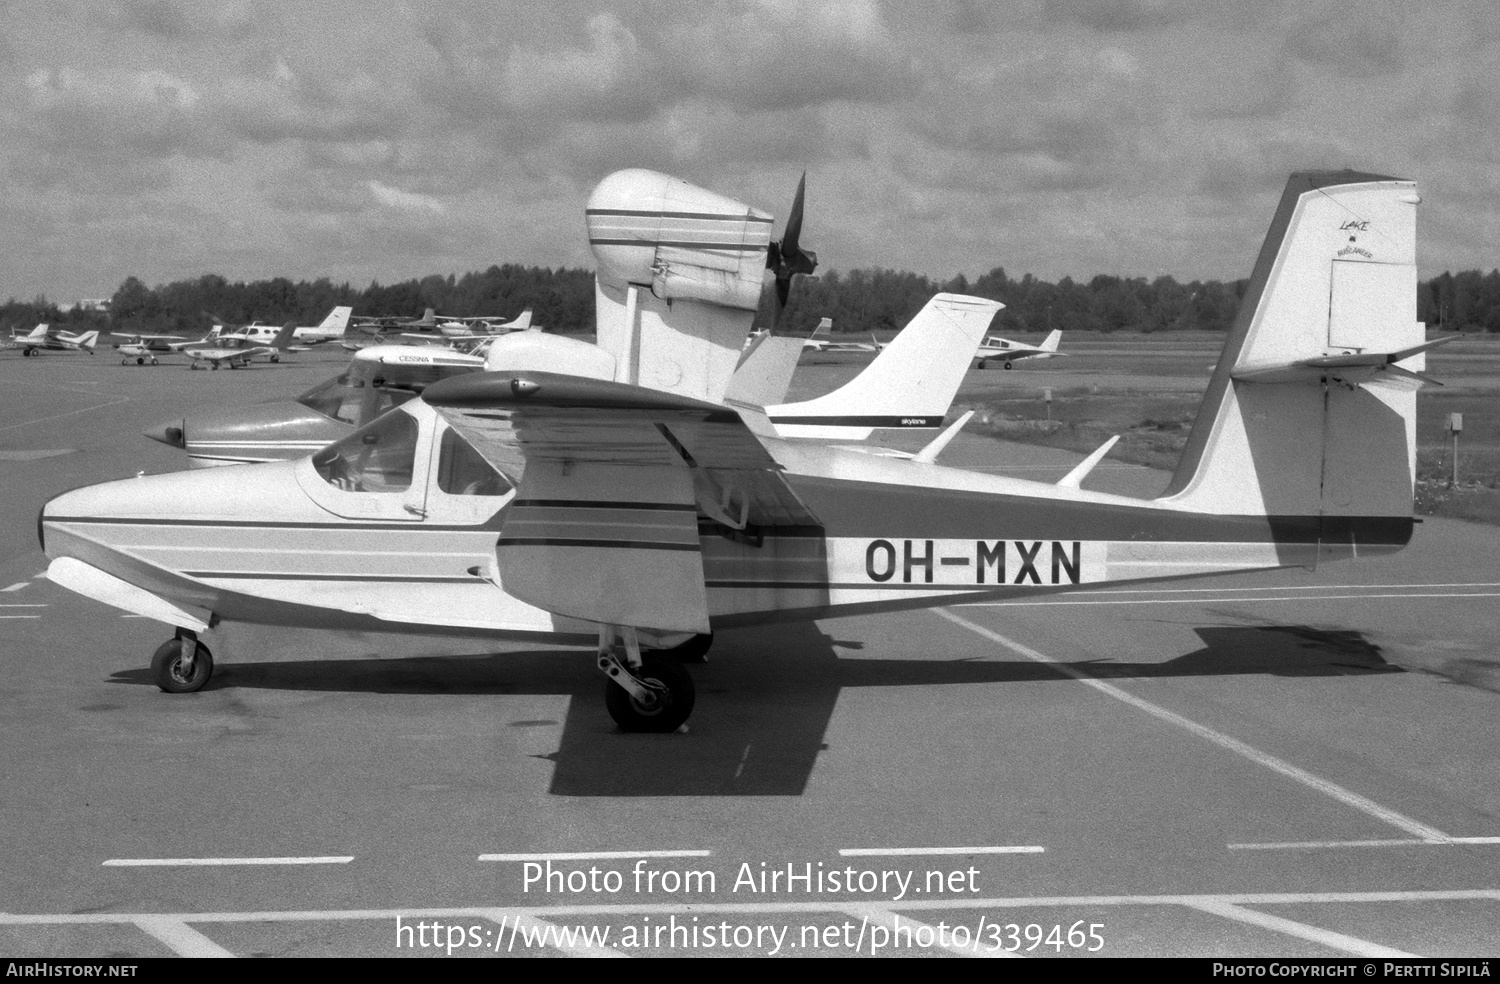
[[858, 301]]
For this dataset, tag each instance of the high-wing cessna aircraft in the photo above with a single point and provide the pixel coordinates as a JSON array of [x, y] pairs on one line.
[[44, 337], [816, 342], [377, 379], [331, 327], [239, 349], [1003, 350], [478, 327], [142, 349], [640, 509]]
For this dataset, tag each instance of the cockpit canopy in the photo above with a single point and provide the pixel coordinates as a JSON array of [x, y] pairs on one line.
[[381, 457]]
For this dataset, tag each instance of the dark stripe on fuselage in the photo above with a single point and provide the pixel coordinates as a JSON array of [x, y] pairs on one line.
[[681, 244], [554, 541], [860, 421], [255, 524], [603, 504], [290, 576], [869, 509], [708, 216]]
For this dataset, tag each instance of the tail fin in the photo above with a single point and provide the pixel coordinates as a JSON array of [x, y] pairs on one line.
[[765, 371], [1049, 344], [283, 340], [87, 339], [1286, 429], [522, 322], [911, 383], [337, 318], [825, 327], [40, 331]]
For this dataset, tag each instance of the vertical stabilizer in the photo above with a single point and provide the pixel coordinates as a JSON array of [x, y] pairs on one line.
[[911, 383], [1280, 433]]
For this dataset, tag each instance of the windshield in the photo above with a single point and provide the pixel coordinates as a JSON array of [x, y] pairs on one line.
[[351, 400], [375, 458]]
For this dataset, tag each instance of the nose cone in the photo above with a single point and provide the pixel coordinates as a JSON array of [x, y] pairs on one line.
[[169, 433]]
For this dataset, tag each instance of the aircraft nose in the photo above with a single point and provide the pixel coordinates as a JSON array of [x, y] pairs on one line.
[[169, 433]]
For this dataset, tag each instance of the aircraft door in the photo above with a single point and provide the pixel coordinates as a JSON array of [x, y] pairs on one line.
[[463, 489]]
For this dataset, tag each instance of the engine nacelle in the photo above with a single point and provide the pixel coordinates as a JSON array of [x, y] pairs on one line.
[[536, 352]]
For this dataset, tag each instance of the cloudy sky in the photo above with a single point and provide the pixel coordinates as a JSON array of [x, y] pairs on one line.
[[365, 141]]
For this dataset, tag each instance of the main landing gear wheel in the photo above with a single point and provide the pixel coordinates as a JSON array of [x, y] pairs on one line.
[[1007, 365], [674, 692], [169, 673], [275, 358], [140, 361], [695, 650]]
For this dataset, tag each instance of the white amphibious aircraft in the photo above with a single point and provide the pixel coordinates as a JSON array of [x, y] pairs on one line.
[[640, 509], [44, 337], [1003, 350]]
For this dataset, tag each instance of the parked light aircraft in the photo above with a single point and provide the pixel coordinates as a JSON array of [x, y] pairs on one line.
[[643, 512], [377, 379], [912, 384], [145, 348], [815, 343], [1003, 350], [479, 327], [44, 338], [239, 349], [332, 326]]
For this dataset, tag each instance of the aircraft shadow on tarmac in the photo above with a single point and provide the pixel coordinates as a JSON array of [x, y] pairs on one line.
[[765, 698]]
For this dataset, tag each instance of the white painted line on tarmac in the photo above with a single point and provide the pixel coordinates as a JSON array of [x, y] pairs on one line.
[[20, 616], [1192, 601], [1339, 941], [218, 862], [699, 908], [861, 852], [1303, 587], [594, 855], [23, 604], [1398, 842], [70, 413], [899, 927], [571, 943], [1345, 796], [184, 940]]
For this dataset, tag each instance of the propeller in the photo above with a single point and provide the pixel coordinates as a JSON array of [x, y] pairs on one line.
[[787, 258]]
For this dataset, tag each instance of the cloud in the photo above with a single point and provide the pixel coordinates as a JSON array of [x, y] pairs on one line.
[[1362, 44], [409, 201]]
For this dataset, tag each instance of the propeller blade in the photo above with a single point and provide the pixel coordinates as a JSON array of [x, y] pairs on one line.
[[787, 258]]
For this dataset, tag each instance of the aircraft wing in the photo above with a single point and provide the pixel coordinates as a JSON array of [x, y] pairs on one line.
[[613, 482]]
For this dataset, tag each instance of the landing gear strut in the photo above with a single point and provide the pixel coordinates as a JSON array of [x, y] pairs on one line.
[[650, 693], [182, 665]]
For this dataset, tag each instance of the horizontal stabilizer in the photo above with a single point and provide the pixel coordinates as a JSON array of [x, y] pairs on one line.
[[1074, 479], [929, 454], [1351, 368]]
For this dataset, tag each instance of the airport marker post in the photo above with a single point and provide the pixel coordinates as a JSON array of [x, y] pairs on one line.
[[1455, 427]]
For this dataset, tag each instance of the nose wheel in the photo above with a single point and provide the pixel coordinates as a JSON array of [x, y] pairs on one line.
[[182, 665]]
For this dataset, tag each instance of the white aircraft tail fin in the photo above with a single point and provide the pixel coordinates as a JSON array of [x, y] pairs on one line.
[[522, 322], [911, 383], [825, 328], [338, 318], [1049, 344], [283, 340], [679, 280], [39, 332], [87, 340], [1310, 416], [765, 372]]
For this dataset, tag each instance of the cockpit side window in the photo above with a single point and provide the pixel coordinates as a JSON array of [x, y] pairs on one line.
[[376, 458], [463, 471], [350, 399]]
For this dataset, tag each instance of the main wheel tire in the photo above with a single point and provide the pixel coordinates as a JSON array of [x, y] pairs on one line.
[[275, 358], [1007, 365], [166, 668], [155, 363], [671, 710], [140, 360], [695, 650], [124, 362]]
